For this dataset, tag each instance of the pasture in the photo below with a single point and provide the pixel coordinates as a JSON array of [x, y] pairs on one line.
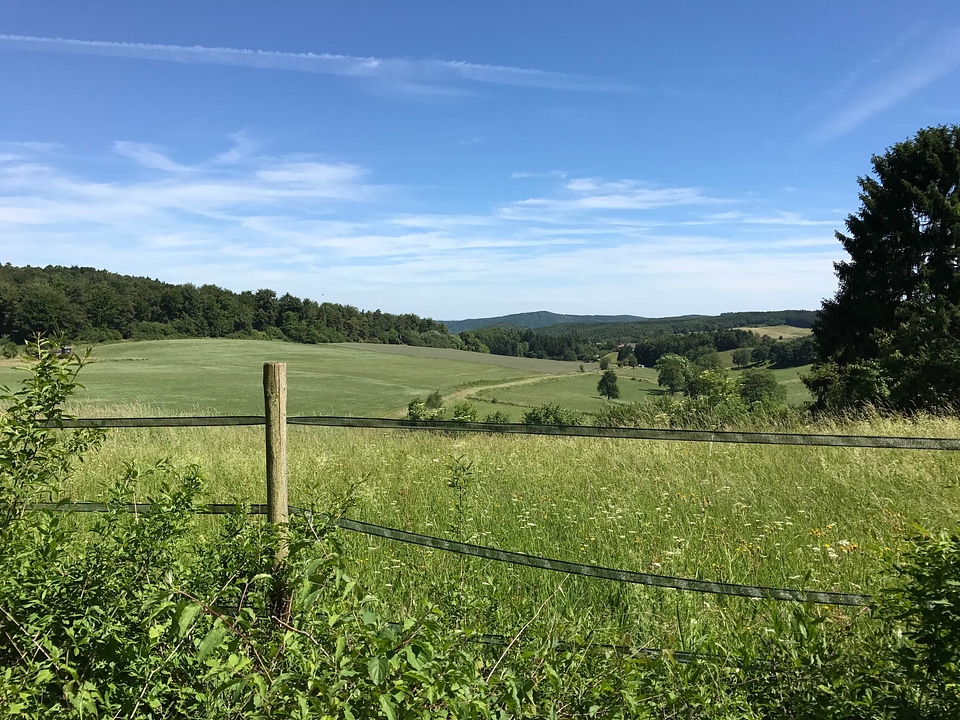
[[814, 518], [800, 517], [224, 377]]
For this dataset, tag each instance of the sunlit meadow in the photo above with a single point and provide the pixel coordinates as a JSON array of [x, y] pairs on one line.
[[800, 517]]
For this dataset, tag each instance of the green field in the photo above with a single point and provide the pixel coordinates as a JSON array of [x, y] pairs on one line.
[[224, 377], [821, 518], [811, 518]]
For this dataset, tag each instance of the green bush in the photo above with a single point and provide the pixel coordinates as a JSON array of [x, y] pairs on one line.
[[497, 417], [418, 410], [8, 348], [551, 414], [464, 412]]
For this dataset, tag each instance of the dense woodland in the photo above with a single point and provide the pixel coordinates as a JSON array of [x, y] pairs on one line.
[[95, 305], [88, 305]]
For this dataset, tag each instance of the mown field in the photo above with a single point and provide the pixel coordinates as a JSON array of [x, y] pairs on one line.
[[225, 376], [816, 518], [787, 332]]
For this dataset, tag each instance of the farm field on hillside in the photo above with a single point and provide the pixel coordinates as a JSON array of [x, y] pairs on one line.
[[526, 364], [577, 392], [787, 332], [225, 377], [206, 376], [817, 518], [797, 392]]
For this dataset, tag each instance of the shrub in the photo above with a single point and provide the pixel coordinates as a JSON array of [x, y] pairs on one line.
[[497, 417], [464, 412], [551, 414], [8, 348]]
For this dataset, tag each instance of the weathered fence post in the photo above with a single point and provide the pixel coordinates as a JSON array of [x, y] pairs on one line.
[[275, 412]]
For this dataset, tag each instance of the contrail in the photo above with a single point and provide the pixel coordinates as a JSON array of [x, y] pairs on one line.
[[388, 69]]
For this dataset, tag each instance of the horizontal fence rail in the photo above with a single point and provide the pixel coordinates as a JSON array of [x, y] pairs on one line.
[[201, 421], [759, 592], [717, 436]]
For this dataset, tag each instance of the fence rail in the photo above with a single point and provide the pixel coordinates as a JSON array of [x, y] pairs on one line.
[[758, 592], [710, 436]]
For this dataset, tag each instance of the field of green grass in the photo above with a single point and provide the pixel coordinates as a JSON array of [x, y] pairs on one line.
[[816, 518], [577, 392], [224, 377]]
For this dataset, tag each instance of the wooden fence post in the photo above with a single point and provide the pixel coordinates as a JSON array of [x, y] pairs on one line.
[[275, 412]]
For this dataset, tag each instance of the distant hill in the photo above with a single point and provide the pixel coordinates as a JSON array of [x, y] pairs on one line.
[[598, 327], [535, 320]]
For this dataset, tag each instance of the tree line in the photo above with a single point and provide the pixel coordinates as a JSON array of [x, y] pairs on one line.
[[84, 304], [88, 305]]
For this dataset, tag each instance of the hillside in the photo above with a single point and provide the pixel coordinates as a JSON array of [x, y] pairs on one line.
[[535, 320]]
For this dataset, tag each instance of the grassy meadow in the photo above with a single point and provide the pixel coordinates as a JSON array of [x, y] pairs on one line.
[[816, 518], [225, 377]]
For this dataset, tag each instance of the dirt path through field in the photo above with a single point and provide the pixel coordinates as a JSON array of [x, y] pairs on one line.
[[465, 393]]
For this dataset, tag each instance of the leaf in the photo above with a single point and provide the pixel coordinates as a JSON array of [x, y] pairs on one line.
[[377, 667], [412, 658], [388, 707], [185, 618], [211, 640]]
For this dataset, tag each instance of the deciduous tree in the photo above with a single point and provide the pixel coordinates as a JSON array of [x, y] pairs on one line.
[[608, 385]]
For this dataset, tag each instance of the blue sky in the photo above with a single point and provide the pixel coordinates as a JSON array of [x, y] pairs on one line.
[[458, 159]]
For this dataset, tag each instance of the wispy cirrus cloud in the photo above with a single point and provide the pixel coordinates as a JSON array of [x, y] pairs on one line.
[[931, 56], [417, 76], [148, 156]]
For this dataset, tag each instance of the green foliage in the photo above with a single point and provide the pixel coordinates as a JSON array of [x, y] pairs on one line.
[[497, 417], [607, 386], [891, 333], [34, 460], [742, 357], [760, 354], [604, 363], [673, 372], [434, 401], [95, 306], [465, 412], [418, 410], [8, 348], [924, 603], [552, 414], [759, 385]]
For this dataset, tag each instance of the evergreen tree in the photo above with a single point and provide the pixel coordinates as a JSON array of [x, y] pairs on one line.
[[891, 334]]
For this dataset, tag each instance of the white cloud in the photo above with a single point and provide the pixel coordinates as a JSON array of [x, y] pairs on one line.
[[413, 75], [307, 226], [148, 156]]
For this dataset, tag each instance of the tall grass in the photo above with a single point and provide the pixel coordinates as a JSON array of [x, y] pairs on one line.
[[817, 518]]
